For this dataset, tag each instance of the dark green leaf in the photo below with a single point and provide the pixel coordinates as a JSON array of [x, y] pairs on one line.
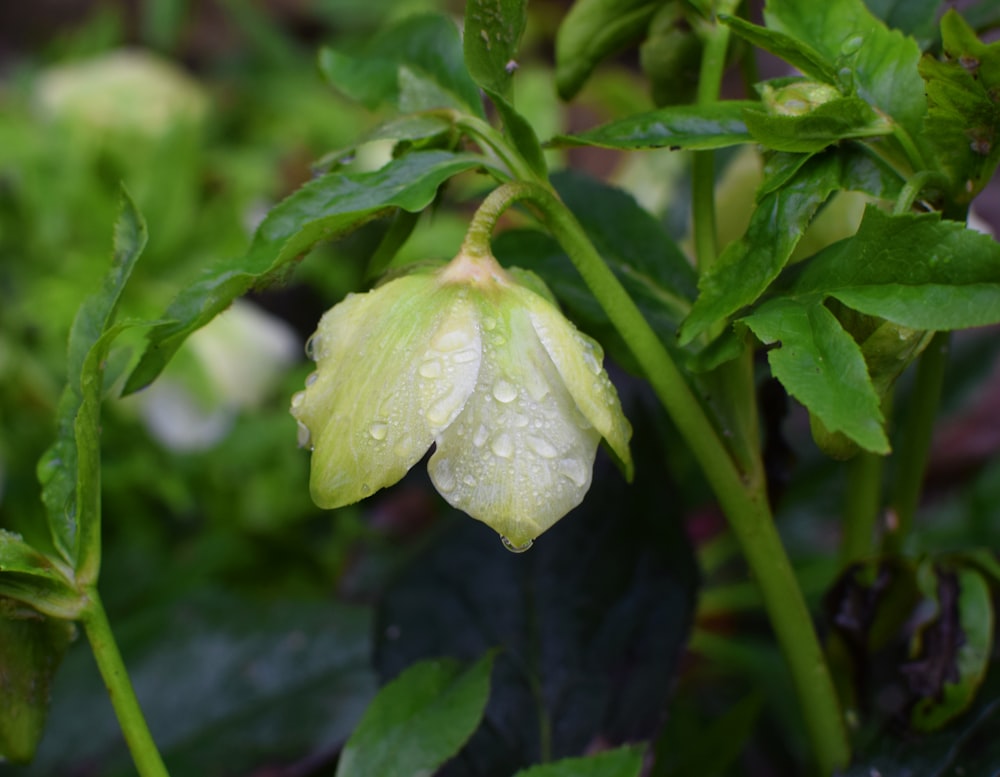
[[493, 31], [671, 56], [679, 126], [29, 576], [593, 30], [963, 94], [428, 45], [882, 62], [831, 122], [419, 720], [521, 134], [912, 17], [320, 210], [623, 762], [226, 684], [592, 618], [821, 366], [795, 52], [70, 470], [748, 266], [635, 246], [916, 270], [31, 649]]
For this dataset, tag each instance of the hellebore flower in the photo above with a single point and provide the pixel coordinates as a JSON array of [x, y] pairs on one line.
[[513, 396]]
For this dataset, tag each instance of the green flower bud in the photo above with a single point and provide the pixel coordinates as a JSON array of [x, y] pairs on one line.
[[797, 98], [513, 396]]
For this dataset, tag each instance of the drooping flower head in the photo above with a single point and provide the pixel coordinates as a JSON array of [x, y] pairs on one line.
[[466, 357]]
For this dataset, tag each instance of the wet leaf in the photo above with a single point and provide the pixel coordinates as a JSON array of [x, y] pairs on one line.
[[419, 720], [227, 684], [716, 125], [320, 210], [829, 123]]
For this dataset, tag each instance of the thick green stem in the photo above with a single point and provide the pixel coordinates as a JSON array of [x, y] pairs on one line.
[[915, 445], [109, 661], [743, 500], [862, 506]]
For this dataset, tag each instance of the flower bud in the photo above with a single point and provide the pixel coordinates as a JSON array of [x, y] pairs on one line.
[[467, 358]]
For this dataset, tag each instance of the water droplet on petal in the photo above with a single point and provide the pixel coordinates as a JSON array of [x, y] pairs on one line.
[[465, 356], [378, 430], [542, 447], [574, 470], [451, 338], [444, 478], [313, 350], [489, 324], [365, 488], [445, 408], [591, 358], [504, 391], [305, 436], [469, 481], [297, 399], [311, 378], [430, 369], [516, 548], [481, 435], [502, 445]]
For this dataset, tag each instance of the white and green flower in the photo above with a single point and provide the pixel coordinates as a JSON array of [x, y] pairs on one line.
[[511, 394]]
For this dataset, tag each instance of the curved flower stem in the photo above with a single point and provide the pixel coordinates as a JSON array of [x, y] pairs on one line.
[[914, 185], [109, 661], [743, 499], [916, 443]]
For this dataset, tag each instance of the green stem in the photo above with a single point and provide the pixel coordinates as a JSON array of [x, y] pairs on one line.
[[862, 506], [493, 140], [915, 445], [109, 661], [912, 188], [743, 500]]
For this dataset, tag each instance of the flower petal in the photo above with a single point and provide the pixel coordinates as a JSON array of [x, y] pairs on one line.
[[579, 360], [395, 366], [520, 455]]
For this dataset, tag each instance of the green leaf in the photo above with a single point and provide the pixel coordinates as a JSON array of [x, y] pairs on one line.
[[492, 37], [820, 365], [882, 62], [795, 52], [916, 270], [320, 210], [31, 650], [912, 17], [635, 246], [748, 266], [623, 762], [70, 470], [419, 720], [31, 577], [678, 126], [227, 683], [428, 45], [829, 123], [964, 603], [963, 119], [593, 30]]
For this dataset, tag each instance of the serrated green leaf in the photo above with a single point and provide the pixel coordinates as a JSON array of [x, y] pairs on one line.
[[31, 649], [915, 270], [70, 470], [419, 720], [429, 46], [882, 63], [963, 95], [824, 125], [912, 17], [820, 365], [622, 762], [795, 52], [320, 210], [593, 30], [717, 125], [748, 266]]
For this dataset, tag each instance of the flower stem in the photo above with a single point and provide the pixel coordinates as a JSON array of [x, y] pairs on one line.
[[109, 661], [861, 508], [915, 446], [743, 499]]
